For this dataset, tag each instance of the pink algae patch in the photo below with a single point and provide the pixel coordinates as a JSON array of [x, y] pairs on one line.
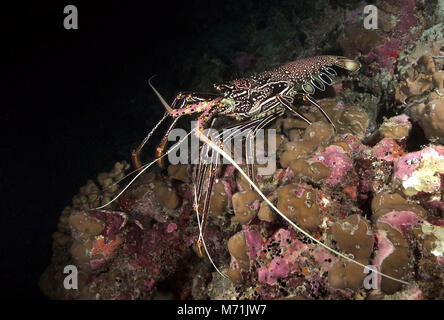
[[387, 149], [407, 164], [401, 220], [335, 158], [278, 269], [325, 258], [97, 263], [385, 248], [171, 227], [280, 266], [340, 105], [254, 242]]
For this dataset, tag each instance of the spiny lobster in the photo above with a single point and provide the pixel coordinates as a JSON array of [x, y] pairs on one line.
[[254, 101]]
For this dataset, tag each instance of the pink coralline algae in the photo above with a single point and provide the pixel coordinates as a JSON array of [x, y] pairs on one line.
[[335, 158], [385, 249], [171, 227], [403, 221], [254, 241], [407, 21], [278, 269], [387, 149]]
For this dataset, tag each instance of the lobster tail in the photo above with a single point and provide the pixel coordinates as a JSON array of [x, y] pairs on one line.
[[347, 64]]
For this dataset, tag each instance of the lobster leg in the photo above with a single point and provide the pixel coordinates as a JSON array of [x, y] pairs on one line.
[[202, 123], [185, 98], [253, 133], [307, 97], [135, 154], [182, 100], [161, 147], [286, 101], [254, 126], [206, 207], [239, 130], [200, 178]]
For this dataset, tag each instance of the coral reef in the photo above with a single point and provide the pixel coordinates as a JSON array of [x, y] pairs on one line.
[[373, 189]]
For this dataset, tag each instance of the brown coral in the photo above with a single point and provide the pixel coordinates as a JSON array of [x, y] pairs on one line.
[[418, 79], [351, 120], [395, 128], [165, 195], [345, 274], [430, 116], [265, 213], [312, 172], [245, 205], [384, 203], [299, 204], [321, 133], [86, 225], [294, 150], [354, 235], [179, 172], [318, 133], [238, 249], [396, 264]]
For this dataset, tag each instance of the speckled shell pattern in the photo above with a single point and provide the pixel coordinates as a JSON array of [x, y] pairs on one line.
[[301, 70], [257, 94]]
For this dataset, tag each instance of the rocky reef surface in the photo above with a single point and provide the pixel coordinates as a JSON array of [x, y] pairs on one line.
[[373, 190]]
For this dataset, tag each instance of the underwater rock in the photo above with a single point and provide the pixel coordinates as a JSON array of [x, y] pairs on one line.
[[96, 239]]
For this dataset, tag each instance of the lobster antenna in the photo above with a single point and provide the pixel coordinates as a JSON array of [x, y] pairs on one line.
[[162, 100], [134, 171], [196, 205], [169, 111], [256, 188], [144, 168]]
